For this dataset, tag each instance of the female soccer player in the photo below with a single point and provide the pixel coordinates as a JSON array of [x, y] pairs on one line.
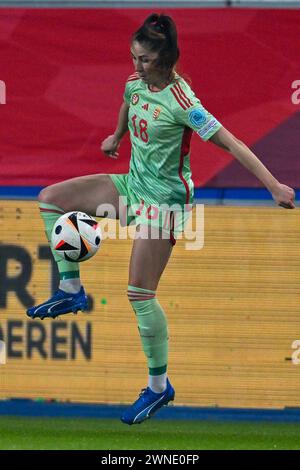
[[160, 111]]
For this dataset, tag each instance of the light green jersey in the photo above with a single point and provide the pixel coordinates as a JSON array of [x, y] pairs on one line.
[[161, 125]]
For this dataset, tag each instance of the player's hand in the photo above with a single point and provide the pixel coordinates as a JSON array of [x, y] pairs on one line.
[[284, 196], [110, 146]]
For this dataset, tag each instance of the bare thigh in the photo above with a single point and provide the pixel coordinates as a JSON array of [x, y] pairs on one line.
[[148, 261], [85, 193]]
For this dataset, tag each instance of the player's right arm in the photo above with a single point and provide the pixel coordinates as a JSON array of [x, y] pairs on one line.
[[111, 144]]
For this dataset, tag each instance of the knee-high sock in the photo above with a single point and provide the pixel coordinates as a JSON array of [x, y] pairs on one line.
[[50, 213], [153, 328]]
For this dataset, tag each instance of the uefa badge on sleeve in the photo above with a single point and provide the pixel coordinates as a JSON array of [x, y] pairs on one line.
[[197, 117], [2, 353]]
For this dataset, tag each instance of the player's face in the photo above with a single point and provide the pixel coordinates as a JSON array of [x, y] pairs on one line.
[[145, 63]]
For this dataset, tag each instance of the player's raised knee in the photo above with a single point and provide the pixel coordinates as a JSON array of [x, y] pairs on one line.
[[48, 196], [45, 196]]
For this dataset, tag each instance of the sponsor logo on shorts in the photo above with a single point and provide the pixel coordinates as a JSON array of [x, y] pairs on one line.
[[135, 98]]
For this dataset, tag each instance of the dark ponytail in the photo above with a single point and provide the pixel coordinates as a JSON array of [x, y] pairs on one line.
[[158, 33]]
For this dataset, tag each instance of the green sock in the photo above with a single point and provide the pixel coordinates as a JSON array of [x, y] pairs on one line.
[[153, 328], [50, 213]]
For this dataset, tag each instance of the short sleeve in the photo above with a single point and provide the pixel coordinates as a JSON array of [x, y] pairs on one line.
[[189, 111], [127, 93], [129, 87]]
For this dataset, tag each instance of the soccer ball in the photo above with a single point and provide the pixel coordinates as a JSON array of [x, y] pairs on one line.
[[76, 236]]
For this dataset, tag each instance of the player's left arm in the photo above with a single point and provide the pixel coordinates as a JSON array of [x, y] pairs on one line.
[[283, 195]]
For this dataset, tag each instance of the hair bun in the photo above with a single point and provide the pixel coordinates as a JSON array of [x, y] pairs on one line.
[[158, 33], [157, 26]]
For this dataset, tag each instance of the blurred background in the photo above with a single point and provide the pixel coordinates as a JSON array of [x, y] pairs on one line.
[[233, 306]]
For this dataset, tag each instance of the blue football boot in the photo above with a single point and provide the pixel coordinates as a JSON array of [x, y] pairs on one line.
[[147, 404], [60, 303]]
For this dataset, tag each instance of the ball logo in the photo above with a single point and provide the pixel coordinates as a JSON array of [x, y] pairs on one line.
[[76, 236], [135, 98], [197, 117]]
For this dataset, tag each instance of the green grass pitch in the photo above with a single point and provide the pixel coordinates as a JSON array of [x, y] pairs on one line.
[[110, 434]]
